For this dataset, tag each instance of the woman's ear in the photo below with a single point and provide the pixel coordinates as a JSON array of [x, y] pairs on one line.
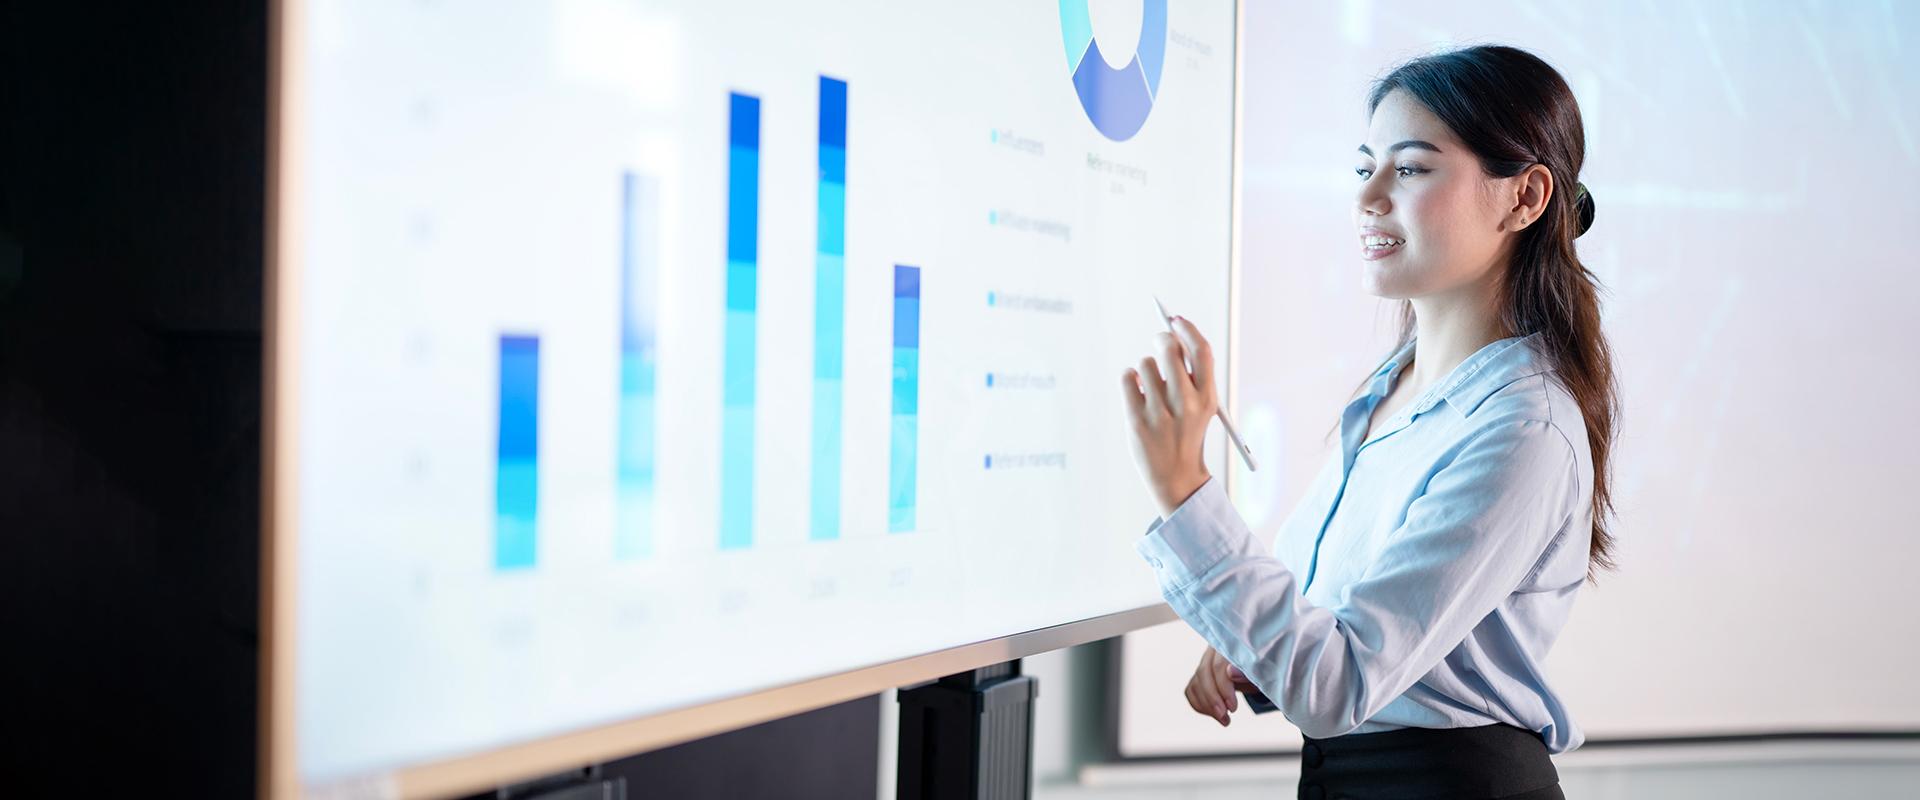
[[1530, 191]]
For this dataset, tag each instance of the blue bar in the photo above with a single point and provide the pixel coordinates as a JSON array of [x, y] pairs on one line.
[[906, 398], [639, 270], [743, 256], [833, 113], [829, 310], [516, 475]]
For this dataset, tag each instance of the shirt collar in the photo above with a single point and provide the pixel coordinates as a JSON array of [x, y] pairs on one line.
[[1474, 380]]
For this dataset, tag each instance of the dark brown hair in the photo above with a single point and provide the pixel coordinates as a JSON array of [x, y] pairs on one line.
[[1513, 110]]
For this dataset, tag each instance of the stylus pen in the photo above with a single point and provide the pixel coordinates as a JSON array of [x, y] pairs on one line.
[[1246, 453]]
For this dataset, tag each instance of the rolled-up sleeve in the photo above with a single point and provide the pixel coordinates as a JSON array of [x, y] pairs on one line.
[[1482, 525]]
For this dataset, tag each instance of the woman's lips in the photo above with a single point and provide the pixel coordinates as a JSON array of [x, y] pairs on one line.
[[1377, 253]]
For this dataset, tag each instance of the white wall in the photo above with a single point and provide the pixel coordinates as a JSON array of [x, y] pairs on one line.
[[1753, 166]]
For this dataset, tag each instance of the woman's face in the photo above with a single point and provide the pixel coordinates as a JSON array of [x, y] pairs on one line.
[[1420, 186]]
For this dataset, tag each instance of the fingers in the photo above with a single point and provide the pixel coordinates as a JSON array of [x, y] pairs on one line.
[[1199, 351], [1154, 386], [1173, 366], [1136, 402], [1200, 694], [1210, 690], [1228, 694], [1227, 687]]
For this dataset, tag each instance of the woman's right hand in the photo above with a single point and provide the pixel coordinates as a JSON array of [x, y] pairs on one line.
[[1211, 691]]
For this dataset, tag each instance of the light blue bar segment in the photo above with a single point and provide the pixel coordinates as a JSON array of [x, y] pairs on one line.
[[832, 201], [826, 459], [634, 520], [514, 530], [634, 467], [829, 333], [900, 486], [736, 477], [736, 433]]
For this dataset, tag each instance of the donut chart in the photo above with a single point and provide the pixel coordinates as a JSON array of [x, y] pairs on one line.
[[1117, 101]]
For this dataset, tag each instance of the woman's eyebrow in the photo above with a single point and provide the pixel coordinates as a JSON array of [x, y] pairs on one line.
[[1413, 143]]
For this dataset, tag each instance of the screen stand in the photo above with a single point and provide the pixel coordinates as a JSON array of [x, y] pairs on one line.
[[968, 736], [585, 783]]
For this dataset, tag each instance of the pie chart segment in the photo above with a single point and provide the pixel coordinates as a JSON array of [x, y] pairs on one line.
[[1117, 101]]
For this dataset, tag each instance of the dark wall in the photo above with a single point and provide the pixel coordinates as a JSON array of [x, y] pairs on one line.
[[131, 182], [132, 167]]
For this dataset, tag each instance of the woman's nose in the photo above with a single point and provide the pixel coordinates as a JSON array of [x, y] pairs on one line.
[[1371, 201]]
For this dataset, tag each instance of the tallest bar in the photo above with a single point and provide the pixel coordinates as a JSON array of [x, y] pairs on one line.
[[743, 260], [829, 309]]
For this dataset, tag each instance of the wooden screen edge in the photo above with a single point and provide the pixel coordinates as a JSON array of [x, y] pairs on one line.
[[482, 770], [275, 770]]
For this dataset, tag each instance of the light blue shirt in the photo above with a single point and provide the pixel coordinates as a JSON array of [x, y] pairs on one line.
[[1426, 572]]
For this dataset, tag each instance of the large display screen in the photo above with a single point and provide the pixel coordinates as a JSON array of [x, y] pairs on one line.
[[643, 354]]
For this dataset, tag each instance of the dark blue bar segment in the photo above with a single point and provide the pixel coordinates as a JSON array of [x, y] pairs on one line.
[[745, 121], [906, 281], [833, 112], [743, 184], [906, 298]]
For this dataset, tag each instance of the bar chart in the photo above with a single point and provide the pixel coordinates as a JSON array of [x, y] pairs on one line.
[[635, 447]]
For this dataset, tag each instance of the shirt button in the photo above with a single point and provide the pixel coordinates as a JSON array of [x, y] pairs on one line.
[[1312, 755], [1154, 561]]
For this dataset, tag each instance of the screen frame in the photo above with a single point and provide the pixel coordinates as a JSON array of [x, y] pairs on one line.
[[277, 767]]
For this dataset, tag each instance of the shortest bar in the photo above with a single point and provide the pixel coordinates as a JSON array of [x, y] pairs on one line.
[[906, 398]]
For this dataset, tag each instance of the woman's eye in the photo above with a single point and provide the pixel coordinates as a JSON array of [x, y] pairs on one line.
[[1404, 172]]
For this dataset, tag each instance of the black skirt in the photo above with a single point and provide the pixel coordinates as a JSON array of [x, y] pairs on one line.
[[1490, 761]]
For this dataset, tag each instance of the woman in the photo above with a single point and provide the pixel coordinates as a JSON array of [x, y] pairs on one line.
[[1403, 616]]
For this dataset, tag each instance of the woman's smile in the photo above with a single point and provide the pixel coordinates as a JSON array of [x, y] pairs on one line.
[[1376, 244]]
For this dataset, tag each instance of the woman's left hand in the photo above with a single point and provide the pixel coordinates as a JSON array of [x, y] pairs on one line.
[[1169, 411]]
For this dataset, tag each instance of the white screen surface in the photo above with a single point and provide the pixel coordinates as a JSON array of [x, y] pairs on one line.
[[1759, 331], [607, 407]]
